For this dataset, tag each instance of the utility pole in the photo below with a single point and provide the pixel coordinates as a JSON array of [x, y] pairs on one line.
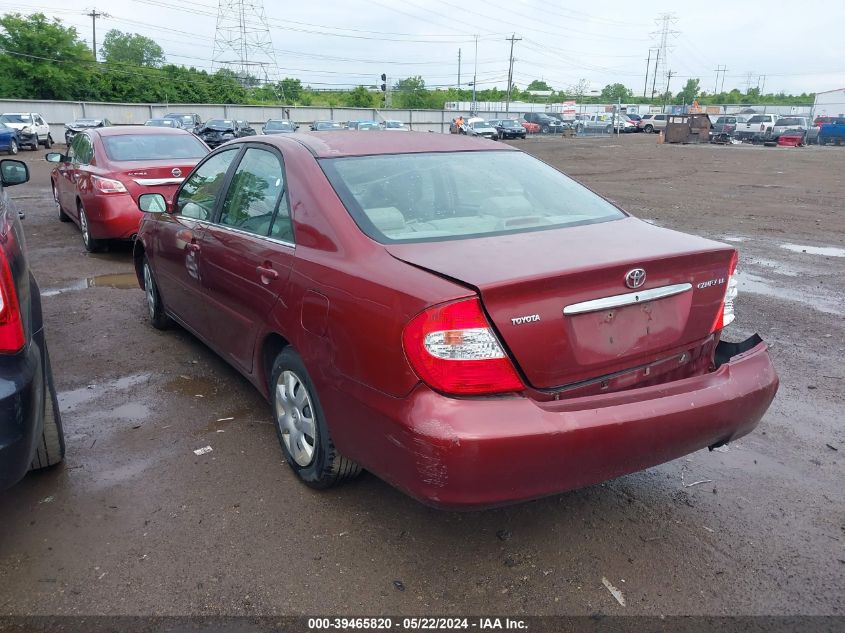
[[666, 94], [513, 38], [459, 69], [764, 86], [654, 81], [748, 81], [721, 68], [665, 33], [475, 78], [647, 66], [94, 15]]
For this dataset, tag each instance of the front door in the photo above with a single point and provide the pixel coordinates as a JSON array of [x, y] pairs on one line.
[[178, 258], [247, 254]]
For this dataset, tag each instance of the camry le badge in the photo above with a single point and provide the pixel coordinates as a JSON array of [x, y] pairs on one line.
[[635, 278]]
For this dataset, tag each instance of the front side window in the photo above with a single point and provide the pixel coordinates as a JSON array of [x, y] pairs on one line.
[[456, 195], [84, 151], [198, 195], [256, 188]]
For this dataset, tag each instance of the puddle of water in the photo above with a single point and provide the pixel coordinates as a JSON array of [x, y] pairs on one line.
[[191, 387], [131, 411], [749, 282], [828, 251], [774, 266], [69, 400], [122, 281]]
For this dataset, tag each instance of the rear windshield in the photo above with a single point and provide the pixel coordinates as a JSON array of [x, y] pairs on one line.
[[455, 195], [791, 121], [153, 146]]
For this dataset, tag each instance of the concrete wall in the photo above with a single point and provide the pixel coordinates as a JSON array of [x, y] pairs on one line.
[[57, 113]]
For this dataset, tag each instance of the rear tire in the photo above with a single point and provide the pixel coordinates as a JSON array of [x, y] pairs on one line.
[[648, 129], [49, 142], [301, 426], [91, 245], [62, 215], [51, 444], [13, 147], [155, 306]]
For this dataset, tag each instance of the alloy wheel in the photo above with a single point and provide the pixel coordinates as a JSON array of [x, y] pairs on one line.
[[13, 147], [295, 415], [83, 225], [149, 290]]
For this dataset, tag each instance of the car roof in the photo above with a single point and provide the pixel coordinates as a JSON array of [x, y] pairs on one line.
[[350, 143], [124, 130]]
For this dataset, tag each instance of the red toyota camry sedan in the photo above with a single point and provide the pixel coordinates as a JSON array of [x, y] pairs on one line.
[[455, 316], [105, 170]]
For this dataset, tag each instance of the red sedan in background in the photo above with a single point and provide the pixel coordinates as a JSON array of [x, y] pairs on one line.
[[455, 316], [105, 170]]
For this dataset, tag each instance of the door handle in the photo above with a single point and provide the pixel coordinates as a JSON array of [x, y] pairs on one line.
[[266, 273], [193, 246]]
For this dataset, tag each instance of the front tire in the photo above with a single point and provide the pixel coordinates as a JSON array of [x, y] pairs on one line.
[[51, 445], [91, 245], [301, 426], [155, 306]]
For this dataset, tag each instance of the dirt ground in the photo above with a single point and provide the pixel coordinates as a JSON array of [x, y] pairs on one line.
[[135, 523]]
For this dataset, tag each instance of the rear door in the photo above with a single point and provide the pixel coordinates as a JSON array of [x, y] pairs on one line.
[[65, 183], [247, 254], [177, 256]]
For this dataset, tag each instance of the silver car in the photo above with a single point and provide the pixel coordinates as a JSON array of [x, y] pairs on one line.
[[794, 123]]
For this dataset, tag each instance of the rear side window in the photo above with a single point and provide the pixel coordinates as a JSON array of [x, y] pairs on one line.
[[198, 195], [257, 187], [457, 195], [83, 150]]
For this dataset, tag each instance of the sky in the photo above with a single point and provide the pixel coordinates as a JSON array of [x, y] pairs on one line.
[[342, 43]]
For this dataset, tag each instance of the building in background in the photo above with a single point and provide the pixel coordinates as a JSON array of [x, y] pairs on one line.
[[830, 103]]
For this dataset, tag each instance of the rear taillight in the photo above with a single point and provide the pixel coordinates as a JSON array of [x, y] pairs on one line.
[[11, 326], [726, 312], [454, 350], [107, 185]]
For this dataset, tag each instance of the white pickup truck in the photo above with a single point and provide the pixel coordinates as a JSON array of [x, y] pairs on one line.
[[756, 126], [32, 127]]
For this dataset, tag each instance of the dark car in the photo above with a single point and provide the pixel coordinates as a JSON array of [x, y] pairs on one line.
[[327, 126], [104, 171], [508, 128], [434, 309], [77, 126], [245, 129], [279, 126], [547, 124], [10, 139], [724, 125], [31, 433], [217, 131], [188, 121]]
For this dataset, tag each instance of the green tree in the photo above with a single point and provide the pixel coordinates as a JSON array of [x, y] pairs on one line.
[[131, 49], [410, 93], [359, 97], [689, 92], [291, 89], [41, 59], [538, 84], [616, 92]]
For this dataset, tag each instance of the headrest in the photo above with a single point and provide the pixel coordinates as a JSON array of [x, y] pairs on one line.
[[386, 218]]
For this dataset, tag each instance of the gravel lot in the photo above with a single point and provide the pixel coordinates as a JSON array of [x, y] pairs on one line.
[[135, 523]]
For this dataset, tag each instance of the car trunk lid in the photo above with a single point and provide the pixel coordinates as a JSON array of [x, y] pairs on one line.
[[559, 299]]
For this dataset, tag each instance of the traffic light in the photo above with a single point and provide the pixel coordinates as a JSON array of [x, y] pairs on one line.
[[384, 82]]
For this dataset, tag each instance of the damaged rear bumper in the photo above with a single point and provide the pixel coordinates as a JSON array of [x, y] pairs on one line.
[[464, 453]]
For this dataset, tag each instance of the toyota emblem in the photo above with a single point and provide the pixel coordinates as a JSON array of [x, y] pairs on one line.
[[178, 172], [635, 278]]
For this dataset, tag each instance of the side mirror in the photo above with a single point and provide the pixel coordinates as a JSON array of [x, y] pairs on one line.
[[55, 157], [13, 172], [152, 203]]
